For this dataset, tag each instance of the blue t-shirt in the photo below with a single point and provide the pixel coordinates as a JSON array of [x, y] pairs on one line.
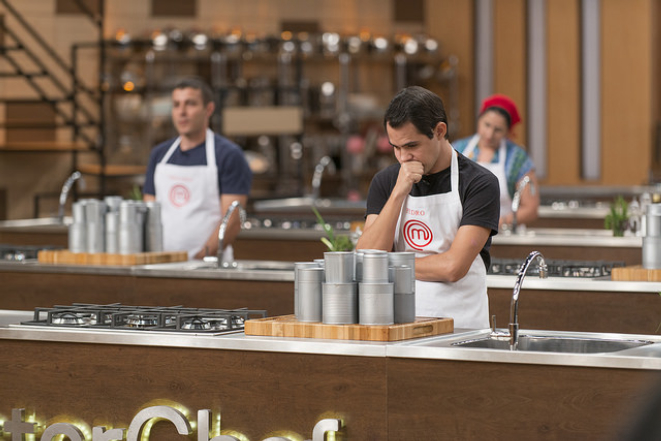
[[234, 174], [517, 161]]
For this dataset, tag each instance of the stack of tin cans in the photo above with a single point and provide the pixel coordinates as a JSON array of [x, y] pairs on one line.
[[115, 225], [370, 287]]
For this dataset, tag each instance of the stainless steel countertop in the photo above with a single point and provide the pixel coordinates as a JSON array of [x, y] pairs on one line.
[[405, 349], [195, 269], [188, 270]]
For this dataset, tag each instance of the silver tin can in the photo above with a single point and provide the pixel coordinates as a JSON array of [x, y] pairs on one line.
[[653, 220], [403, 279], [112, 232], [153, 227], [404, 308], [376, 303], [340, 303], [310, 294], [95, 219], [375, 267], [130, 228], [339, 266], [78, 229], [297, 297], [651, 252]]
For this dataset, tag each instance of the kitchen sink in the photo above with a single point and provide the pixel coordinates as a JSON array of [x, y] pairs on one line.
[[306, 202], [247, 265], [533, 340], [573, 345]]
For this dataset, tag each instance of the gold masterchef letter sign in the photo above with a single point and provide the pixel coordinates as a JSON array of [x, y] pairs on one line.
[[140, 427]]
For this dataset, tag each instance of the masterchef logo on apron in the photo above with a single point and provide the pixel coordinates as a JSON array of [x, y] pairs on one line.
[[417, 234], [179, 195]]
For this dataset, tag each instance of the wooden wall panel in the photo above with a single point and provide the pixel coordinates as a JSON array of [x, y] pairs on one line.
[[656, 90], [452, 23], [564, 92], [510, 48], [626, 90]]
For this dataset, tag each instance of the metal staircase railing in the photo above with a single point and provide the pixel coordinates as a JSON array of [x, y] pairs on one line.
[[56, 83], [52, 68]]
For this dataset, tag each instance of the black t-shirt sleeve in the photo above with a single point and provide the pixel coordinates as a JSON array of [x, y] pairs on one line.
[[481, 200], [154, 158], [380, 189]]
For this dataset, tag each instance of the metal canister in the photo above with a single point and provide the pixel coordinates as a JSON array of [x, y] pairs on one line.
[[340, 303], [339, 266], [652, 239], [376, 304], [112, 231], [95, 219], [78, 229], [297, 296], [653, 220], [309, 294], [153, 227], [404, 292], [359, 257], [375, 267], [130, 228]]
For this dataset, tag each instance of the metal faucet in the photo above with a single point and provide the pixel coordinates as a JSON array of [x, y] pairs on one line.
[[514, 304], [223, 228], [324, 162], [65, 191], [516, 200]]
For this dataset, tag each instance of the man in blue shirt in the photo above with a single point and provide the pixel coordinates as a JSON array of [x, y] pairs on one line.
[[196, 176]]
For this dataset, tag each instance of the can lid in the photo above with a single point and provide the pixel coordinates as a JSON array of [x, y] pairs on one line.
[[654, 209]]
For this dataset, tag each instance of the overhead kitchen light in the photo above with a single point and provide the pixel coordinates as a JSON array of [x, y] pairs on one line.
[[159, 40], [199, 41]]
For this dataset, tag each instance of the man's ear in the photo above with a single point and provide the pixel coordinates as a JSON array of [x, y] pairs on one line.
[[440, 130], [211, 106]]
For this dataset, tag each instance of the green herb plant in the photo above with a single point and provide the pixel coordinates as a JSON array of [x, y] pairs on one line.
[[135, 193], [334, 242], [618, 217]]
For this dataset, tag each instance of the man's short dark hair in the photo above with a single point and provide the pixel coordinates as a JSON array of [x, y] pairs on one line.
[[415, 104], [197, 84]]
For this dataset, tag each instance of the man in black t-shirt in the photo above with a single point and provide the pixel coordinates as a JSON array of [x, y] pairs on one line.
[[438, 204]]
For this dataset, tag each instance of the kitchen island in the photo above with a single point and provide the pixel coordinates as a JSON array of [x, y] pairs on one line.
[[564, 304], [260, 387]]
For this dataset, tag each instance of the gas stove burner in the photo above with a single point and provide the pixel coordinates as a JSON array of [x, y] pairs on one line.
[[16, 253], [144, 318], [219, 324], [197, 324], [557, 268], [141, 320], [69, 319]]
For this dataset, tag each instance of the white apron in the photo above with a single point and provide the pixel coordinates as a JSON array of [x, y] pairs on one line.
[[497, 169], [190, 200], [428, 225]]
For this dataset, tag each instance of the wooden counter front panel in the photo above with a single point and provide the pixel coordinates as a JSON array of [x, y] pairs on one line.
[[27, 290], [277, 298], [282, 250], [630, 256], [582, 311], [454, 400], [256, 393]]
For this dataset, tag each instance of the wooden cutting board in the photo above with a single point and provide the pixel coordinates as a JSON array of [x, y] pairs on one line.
[[66, 257], [636, 273], [288, 326]]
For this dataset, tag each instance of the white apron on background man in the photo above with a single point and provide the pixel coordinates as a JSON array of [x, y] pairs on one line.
[[190, 200], [428, 225], [497, 169]]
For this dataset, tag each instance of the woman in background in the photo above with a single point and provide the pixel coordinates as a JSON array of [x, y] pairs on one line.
[[492, 148]]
